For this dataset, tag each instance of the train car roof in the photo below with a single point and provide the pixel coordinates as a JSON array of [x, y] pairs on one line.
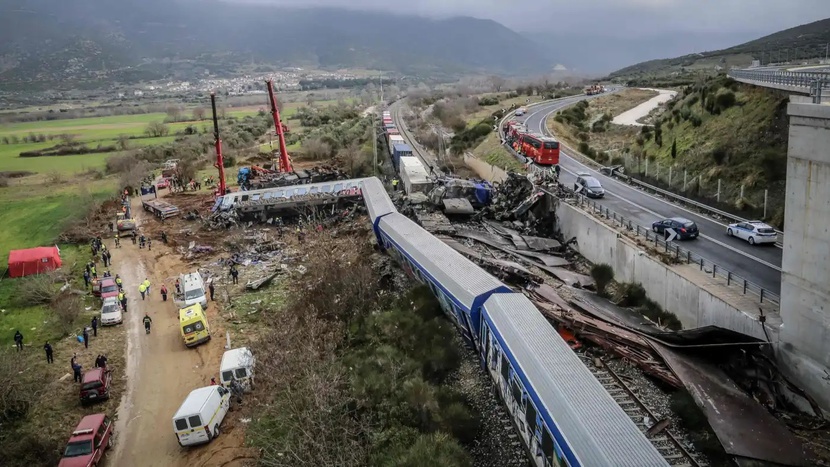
[[455, 273], [597, 430], [376, 199]]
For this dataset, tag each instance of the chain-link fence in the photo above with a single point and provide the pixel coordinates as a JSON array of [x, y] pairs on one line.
[[766, 203]]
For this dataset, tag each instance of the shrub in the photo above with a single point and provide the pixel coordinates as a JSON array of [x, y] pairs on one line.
[[583, 147], [725, 100], [695, 120], [603, 274], [720, 155]]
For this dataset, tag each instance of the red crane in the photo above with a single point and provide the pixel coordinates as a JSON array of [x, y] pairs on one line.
[[220, 161], [285, 161]]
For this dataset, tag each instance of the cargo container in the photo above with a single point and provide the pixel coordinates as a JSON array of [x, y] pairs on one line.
[[398, 151], [393, 131], [389, 126], [414, 175], [392, 140]]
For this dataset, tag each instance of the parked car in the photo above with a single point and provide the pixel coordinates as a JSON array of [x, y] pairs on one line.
[[89, 440], [111, 312], [590, 185], [684, 228], [108, 288], [95, 385], [754, 232]]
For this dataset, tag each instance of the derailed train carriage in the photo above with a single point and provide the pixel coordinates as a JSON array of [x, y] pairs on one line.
[[562, 413]]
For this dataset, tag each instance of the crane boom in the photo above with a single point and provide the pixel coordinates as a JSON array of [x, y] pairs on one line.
[[220, 161], [285, 161]]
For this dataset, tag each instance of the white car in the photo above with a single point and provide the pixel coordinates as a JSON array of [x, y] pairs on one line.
[[111, 312], [754, 232]]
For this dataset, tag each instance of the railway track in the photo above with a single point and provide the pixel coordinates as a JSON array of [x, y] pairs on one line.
[[666, 443], [417, 151]]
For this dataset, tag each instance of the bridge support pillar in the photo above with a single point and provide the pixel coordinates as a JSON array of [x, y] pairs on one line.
[[804, 346]]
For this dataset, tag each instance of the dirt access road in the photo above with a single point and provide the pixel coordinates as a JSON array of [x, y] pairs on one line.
[[161, 371]]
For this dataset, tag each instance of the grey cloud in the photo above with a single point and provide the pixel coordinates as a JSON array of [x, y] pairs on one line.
[[611, 18]]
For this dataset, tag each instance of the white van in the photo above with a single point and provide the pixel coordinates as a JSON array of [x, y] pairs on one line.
[[193, 291], [197, 420], [239, 364]]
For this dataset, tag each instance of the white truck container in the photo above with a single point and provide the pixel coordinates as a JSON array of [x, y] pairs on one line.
[[393, 140], [198, 418], [414, 176]]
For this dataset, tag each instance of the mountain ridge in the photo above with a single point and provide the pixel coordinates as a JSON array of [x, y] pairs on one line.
[[810, 39], [47, 41]]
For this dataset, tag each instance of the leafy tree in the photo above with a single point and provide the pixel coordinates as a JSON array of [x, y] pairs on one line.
[[156, 129]]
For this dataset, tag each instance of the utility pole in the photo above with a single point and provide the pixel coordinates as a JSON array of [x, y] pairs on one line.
[[375, 128]]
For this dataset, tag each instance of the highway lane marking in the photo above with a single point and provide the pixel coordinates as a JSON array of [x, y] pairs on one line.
[[663, 201], [717, 242]]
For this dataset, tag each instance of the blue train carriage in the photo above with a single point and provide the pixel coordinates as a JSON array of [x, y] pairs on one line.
[[563, 414], [460, 286]]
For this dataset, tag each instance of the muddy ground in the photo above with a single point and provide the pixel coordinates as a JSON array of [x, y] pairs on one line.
[[161, 370]]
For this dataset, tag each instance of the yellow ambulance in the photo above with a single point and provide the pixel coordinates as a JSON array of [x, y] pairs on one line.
[[193, 324]]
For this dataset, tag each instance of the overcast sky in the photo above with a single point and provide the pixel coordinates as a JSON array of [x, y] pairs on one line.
[[609, 17]]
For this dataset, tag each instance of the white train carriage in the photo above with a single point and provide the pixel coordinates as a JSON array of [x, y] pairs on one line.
[[563, 414], [460, 285]]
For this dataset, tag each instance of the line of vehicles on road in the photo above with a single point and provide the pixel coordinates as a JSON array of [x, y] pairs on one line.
[[200, 415], [754, 232]]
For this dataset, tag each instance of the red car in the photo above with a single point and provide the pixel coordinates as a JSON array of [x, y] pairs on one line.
[[88, 442], [95, 385], [108, 288]]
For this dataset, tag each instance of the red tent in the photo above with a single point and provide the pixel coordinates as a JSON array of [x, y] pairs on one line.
[[34, 261]]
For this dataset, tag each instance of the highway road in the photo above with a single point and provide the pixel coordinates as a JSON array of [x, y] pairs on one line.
[[758, 264]]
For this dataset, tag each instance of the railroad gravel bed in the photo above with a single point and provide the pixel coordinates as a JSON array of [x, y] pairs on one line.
[[497, 444], [658, 401]]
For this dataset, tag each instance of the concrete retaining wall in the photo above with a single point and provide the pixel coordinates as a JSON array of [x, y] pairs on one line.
[[683, 290], [484, 170]]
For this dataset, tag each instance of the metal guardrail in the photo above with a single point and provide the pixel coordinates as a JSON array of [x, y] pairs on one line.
[[801, 79], [679, 253]]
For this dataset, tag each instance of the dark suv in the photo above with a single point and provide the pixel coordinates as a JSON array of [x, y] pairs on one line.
[[684, 228], [95, 385]]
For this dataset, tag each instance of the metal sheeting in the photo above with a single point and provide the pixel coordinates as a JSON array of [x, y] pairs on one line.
[[597, 430], [376, 199], [462, 278]]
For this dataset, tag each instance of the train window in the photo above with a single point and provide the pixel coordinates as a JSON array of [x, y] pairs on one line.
[[517, 391], [486, 340], [530, 417], [560, 459], [547, 446], [505, 369]]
